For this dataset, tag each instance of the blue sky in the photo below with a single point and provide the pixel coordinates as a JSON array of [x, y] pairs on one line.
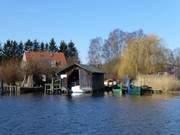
[[82, 20]]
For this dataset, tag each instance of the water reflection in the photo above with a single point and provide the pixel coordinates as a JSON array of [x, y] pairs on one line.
[[77, 94]]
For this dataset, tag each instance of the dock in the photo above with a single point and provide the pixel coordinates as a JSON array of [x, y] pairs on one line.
[[10, 90], [55, 89]]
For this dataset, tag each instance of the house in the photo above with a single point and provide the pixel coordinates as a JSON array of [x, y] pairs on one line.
[[85, 78], [53, 59]]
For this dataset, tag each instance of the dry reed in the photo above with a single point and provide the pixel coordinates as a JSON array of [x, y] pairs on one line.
[[165, 82]]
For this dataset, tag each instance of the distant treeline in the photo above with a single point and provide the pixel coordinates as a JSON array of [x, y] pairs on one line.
[[12, 49]]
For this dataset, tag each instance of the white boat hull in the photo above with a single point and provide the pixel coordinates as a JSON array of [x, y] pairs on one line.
[[76, 89]]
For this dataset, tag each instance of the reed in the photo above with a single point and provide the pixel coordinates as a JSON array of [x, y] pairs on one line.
[[165, 82]]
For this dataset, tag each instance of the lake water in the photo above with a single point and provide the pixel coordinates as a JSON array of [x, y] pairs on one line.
[[88, 115]]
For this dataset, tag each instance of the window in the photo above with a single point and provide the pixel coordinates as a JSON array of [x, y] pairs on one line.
[[53, 63]]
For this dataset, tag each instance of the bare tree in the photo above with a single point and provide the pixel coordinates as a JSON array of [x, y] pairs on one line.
[[177, 56], [177, 62], [116, 42], [95, 51]]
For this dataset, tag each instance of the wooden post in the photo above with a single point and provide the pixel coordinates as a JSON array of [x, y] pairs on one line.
[[10, 88], [52, 85], [1, 87], [45, 89]]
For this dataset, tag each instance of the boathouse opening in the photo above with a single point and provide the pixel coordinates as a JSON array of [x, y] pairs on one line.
[[73, 79]]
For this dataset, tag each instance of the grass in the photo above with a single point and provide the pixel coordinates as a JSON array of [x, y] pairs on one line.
[[166, 83]]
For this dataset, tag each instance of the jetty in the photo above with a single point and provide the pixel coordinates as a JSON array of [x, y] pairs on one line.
[[9, 89]]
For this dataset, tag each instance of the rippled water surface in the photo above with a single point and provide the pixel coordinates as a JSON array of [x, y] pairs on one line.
[[87, 115]]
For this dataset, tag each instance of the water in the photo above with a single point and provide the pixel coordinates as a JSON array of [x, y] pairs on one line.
[[87, 115]]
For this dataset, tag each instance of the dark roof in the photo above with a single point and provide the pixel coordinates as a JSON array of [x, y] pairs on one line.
[[88, 68], [91, 69]]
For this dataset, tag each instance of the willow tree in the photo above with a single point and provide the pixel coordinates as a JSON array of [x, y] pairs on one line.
[[142, 56]]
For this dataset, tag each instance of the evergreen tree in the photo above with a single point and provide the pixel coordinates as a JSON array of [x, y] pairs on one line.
[[10, 49], [20, 50], [52, 46], [5, 49], [14, 50], [72, 53], [63, 48], [42, 46], [28, 45], [46, 47], [36, 46]]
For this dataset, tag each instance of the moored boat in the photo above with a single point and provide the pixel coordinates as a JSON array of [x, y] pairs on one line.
[[117, 90], [76, 89], [135, 90]]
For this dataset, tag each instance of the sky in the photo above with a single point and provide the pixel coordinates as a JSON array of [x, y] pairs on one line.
[[82, 20]]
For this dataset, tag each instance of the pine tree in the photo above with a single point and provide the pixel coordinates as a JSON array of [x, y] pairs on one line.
[[28, 45], [36, 46], [72, 53], [10, 49], [14, 50], [63, 48], [52, 46], [42, 46], [46, 47], [20, 50]]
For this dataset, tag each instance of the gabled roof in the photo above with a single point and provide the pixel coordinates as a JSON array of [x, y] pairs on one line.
[[91, 69], [45, 55], [88, 68]]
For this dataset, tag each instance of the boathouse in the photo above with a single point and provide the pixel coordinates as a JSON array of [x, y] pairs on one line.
[[88, 78]]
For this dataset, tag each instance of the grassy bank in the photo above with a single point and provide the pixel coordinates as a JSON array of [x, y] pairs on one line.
[[166, 83]]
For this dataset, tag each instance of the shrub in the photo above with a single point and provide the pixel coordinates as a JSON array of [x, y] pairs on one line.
[[10, 71]]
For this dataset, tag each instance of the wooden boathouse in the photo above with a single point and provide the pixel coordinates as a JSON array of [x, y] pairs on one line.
[[88, 78]]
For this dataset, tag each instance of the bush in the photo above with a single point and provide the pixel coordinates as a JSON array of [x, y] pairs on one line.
[[10, 71]]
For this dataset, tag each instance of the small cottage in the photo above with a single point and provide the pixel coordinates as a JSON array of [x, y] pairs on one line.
[[85, 78]]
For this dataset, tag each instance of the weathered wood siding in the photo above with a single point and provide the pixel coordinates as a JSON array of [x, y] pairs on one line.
[[85, 79], [97, 81]]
